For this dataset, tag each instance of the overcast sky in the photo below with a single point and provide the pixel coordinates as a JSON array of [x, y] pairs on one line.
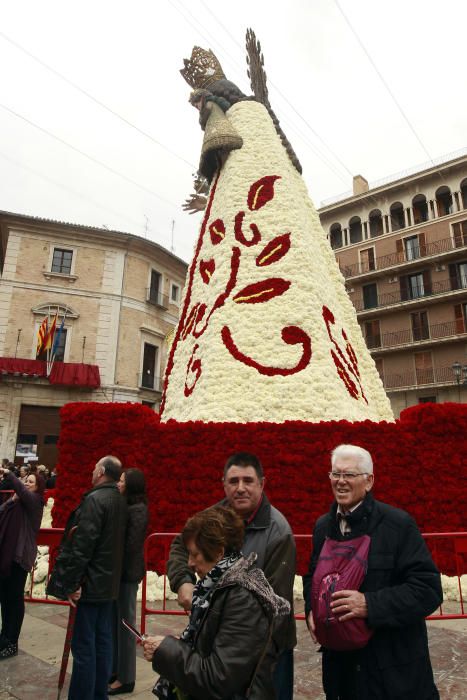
[[331, 102]]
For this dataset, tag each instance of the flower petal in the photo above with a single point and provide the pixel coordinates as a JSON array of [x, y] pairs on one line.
[[261, 192], [206, 269], [265, 290], [274, 251], [217, 231]]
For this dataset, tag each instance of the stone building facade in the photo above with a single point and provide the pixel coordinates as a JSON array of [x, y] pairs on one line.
[[118, 296], [402, 248]]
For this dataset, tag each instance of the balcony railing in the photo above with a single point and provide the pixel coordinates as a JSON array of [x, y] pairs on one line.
[[412, 294], [415, 335], [146, 380], [157, 298], [413, 254], [419, 377]]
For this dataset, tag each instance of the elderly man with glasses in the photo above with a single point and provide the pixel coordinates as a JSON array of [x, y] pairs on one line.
[[400, 588]]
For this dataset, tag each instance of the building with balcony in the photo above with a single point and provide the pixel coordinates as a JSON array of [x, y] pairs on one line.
[[118, 296], [402, 249]]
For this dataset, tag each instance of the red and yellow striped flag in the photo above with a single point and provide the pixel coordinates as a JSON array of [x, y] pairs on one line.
[[41, 336], [50, 335]]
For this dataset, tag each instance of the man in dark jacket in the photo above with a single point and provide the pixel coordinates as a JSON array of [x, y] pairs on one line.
[[91, 562], [267, 533], [401, 587]]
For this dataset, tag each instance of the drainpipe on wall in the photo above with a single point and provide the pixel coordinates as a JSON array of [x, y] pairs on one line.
[[119, 317]]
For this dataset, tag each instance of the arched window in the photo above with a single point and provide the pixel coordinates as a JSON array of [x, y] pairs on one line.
[[463, 189], [444, 200], [355, 229], [420, 209], [396, 212], [335, 236], [376, 223]]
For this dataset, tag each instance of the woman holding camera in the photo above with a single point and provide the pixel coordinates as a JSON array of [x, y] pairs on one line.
[[20, 520]]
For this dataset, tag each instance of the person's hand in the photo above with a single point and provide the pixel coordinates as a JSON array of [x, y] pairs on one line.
[[185, 596], [150, 645], [74, 597], [348, 604], [195, 203], [310, 623]]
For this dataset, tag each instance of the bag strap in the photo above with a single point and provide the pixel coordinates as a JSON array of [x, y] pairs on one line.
[[261, 659]]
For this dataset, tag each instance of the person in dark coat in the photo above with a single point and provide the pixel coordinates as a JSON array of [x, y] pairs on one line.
[[401, 587], [20, 521], [87, 572], [133, 488], [229, 635], [269, 535]]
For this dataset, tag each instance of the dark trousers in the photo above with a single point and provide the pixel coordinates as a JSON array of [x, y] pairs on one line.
[[12, 604], [283, 676], [91, 647], [124, 643]]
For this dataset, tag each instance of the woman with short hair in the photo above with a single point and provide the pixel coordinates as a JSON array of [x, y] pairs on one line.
[[20, 521], [132, 486], [224, 652]]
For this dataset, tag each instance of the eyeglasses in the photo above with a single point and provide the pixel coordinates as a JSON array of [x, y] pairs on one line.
[[347, 476]]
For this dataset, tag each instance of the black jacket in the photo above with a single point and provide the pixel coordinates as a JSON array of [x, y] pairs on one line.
[[270, 536], [228, 646], [92, 548], [133, 568], [402, 586]]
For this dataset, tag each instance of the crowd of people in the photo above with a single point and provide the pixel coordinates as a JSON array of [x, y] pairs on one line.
[[371, 582], [49, 476]]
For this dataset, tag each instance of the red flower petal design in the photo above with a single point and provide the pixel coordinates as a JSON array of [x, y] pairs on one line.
[[206, 269], [274, 251], [292, 335], [190, 322], [259, 292], [261, 192], [194, 367], [217, 231], [240, 236]]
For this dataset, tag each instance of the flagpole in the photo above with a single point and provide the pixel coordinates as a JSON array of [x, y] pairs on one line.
[[54, 349]]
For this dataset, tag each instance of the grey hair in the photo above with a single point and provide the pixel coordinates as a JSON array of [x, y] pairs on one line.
[[362, 456]]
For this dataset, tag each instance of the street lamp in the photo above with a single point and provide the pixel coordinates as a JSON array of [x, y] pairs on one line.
[[459, 371]]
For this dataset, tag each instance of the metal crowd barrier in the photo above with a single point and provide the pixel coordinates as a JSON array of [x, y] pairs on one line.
[[446, 548]]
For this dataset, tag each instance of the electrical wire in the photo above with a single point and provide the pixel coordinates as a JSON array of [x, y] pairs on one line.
[[277, 89], [381, 77], [69, 189], [94, 99], [89, 157]]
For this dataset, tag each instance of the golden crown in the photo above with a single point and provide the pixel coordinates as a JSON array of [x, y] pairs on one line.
[[202, 69]]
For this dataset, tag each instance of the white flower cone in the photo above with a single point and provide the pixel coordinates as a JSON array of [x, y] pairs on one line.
[[267, 330]]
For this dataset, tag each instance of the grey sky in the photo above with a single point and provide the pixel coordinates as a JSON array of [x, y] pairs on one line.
[[128, 54]]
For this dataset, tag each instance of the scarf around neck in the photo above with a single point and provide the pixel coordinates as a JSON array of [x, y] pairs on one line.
[[202, 594]]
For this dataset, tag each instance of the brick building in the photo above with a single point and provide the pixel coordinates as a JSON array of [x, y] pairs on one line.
[[119, 297], [402, 248]]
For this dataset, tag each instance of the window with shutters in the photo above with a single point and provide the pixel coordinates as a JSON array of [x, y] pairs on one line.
[[420, 327], [415, 286], [372, 334], [443, 200], [412, 248], [459, 233], [148, 377], [424, 367], [458, 275], [460, 318], [367, 260]]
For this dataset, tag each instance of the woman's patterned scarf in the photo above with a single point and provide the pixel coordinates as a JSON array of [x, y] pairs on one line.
[[202, 594]]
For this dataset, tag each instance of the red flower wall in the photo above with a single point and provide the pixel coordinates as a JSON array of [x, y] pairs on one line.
[[419, 462]]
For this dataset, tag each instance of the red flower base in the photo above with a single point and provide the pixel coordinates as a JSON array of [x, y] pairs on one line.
[[419, 462]]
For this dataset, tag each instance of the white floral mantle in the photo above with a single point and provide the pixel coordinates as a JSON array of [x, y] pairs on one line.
[[267, 331]]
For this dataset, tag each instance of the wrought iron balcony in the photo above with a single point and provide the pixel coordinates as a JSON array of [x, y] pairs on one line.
[[157, 298], [412, 294], [412, 378], [420, 334], [416, 253], [147, 380]]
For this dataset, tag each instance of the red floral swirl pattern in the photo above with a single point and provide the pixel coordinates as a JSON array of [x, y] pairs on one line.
[[292, 335], [195, 368]]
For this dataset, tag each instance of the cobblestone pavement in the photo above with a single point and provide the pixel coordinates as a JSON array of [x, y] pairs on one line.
[[33, 674]]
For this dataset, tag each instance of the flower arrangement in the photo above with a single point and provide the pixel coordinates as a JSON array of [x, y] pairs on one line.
[[418, 460]]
